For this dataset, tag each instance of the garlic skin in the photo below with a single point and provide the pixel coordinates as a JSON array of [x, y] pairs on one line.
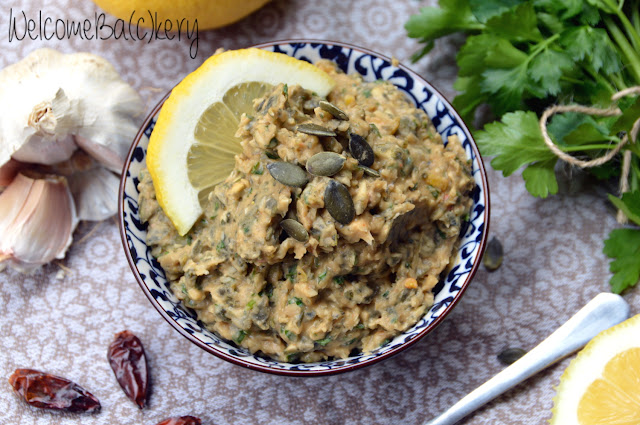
[[37, 220], [95, 193], [49, 99], [94, 187]]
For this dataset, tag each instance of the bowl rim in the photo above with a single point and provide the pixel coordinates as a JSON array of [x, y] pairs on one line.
[[341, 369]]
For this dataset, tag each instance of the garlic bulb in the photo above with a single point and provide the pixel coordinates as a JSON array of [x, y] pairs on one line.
[[49, 99], [37, 219], [72, 118]]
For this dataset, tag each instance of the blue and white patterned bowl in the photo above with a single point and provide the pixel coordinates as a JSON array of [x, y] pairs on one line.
[[371, 66]]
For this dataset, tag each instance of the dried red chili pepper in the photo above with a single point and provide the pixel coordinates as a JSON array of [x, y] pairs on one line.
[[127, 359], [47, 391], [182, 420]]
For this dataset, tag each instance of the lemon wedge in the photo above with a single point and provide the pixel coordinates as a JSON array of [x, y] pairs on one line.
[[193, 144], [602, 384]]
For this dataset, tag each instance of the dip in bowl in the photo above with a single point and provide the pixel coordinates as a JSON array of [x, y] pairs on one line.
[[360, 305]]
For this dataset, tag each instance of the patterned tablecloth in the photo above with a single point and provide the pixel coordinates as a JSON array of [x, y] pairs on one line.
[[553, 265]]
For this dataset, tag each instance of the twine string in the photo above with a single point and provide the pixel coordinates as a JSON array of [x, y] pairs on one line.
[[631, 136]]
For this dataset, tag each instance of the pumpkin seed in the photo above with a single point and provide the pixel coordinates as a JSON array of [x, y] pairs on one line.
[[494, 254], [333, 110], [338, 202], [295, 229], [369, 171], [325, 164], [287, 173], [360, 150], [511, 355], [315, 130]]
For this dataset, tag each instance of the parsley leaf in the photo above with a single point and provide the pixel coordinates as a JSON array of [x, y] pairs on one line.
[[470, 97], [548, 67], [593, 46], [516, 141], [506, 87], [572, 128], [630, 205], [483, 10], [563, 9], [630, 114], [487, 51], [623, 245], [435, 22], [540, 178], [519, 24]]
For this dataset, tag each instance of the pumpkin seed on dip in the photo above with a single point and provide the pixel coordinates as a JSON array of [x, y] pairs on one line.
[[295, 230], [338, 202], [361, 150], [315, 130], [325, 164], [288, 173], [333, 110]]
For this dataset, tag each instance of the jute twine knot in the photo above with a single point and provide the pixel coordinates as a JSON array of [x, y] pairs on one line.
[[631, 136]]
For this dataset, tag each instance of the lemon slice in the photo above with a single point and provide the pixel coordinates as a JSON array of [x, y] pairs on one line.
[[602, 384], [192, 147]]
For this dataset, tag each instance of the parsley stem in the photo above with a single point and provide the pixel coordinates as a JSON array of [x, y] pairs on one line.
[[634, 147], [625, 48], [634, 181], [631, 31], [587, 147], [600, 79], [541, 46], [635, 16]]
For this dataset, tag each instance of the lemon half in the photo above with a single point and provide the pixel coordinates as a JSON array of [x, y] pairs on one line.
[[192, 146], [602, 384], [208, 13]]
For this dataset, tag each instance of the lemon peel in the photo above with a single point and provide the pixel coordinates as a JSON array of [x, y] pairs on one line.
[[187, 109]]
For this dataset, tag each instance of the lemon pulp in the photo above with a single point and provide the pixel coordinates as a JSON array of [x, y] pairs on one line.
[[211, 157], [614, 399]]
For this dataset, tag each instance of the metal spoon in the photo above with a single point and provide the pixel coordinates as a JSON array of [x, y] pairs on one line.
[[602, 312]]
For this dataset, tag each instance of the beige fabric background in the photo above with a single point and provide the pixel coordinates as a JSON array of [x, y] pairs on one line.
[[553, 265]]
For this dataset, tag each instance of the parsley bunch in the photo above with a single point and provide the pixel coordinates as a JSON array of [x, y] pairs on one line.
[[521, 57]]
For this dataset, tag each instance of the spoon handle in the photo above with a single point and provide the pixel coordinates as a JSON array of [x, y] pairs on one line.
[[602, 312]]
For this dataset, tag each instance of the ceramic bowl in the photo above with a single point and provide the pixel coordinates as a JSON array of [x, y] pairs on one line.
[[371, 66]]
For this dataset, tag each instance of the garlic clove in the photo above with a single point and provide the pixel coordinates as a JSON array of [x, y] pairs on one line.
[[42, 150], [37, 220], [111, 157], [8, 171], [95, 193], [48, 97]]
